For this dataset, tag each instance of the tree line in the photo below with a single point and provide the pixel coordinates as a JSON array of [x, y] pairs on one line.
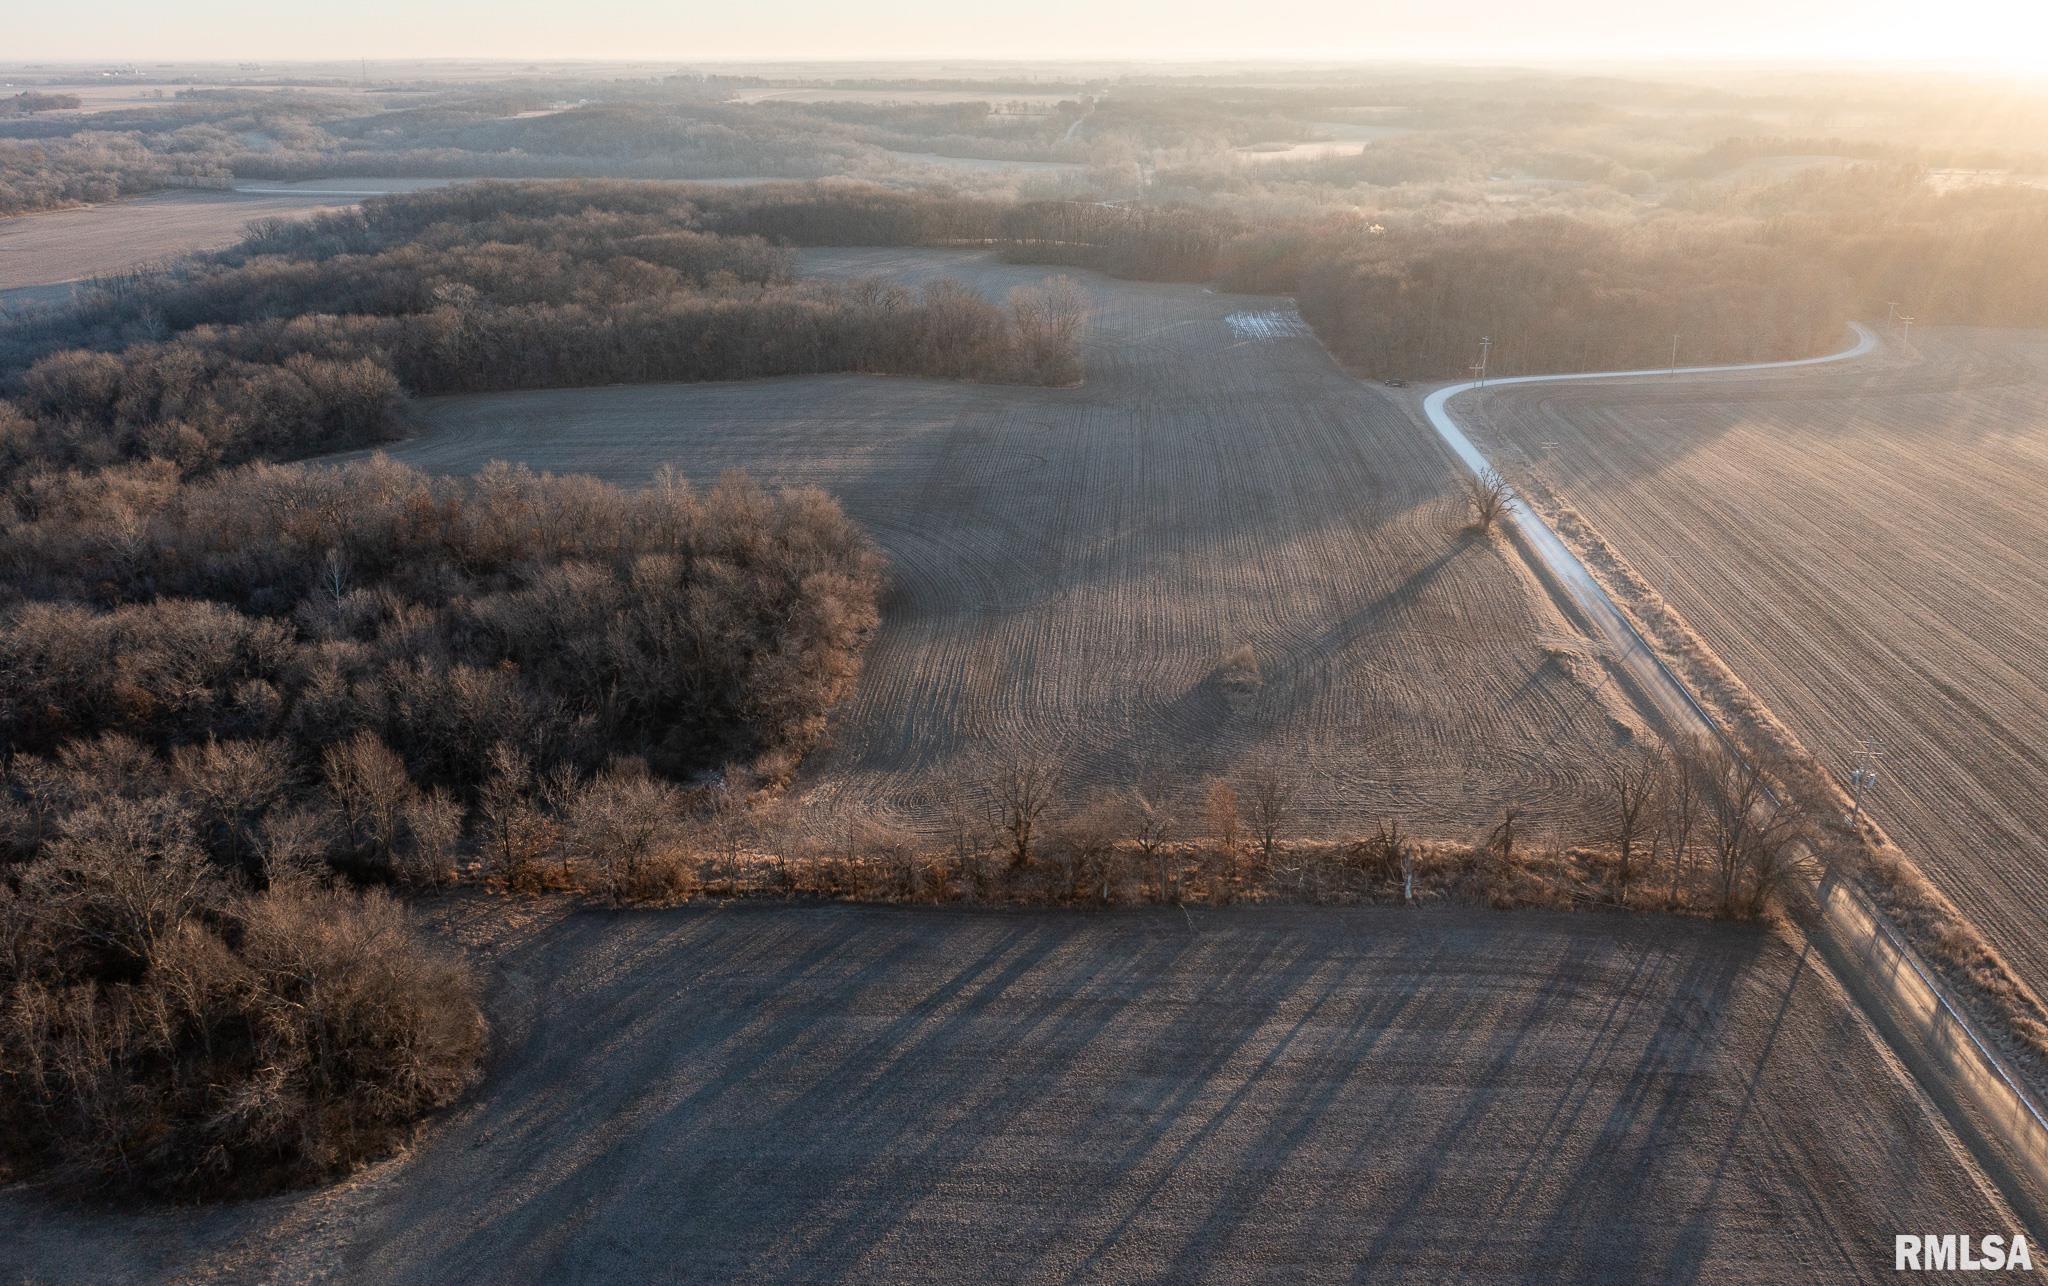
[[308, 337]]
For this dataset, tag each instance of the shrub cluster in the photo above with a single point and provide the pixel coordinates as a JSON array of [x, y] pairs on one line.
[[165, 1025], [222, 697]]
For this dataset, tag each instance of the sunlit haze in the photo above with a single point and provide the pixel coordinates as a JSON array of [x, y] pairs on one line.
[[2011, 34]]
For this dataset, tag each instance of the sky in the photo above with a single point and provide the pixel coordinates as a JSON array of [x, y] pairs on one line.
[[2006, 34]]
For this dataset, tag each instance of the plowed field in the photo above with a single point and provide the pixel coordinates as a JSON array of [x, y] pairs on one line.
[[871, 1095], [1072, 565], [1864, 546]]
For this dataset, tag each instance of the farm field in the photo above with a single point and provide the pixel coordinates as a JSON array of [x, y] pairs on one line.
[[96, 97], [349, 187], [882, 1095], [1341, 138], [1311, 151], [997, 98], [1860, 544], [58, 246], [989, 165], [1071, 566]]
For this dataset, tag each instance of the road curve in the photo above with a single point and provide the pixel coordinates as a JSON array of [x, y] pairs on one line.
[[1672, 698], [1952, 1057], [1454, 437]]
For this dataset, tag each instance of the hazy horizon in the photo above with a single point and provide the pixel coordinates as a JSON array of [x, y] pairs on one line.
[[1979, 33]]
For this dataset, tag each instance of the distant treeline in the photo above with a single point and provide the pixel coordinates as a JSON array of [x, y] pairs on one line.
[[1562, 295], [504, 286], [1779, 276], [1410, 299], [309, 335], [48, 161], [29, 102]]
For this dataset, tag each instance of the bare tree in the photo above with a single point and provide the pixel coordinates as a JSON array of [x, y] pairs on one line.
[[731, 825], [1753, 838], [1220, 815], [1085, 843], [231, 784], [1021, 789], [882, 838], [1047, 320], [1489, 497], [1500, 847], [554, 792], [1684, 803], [1388, 854], [433, 824], [515, 833], [291, 846], [1633, 785], [620, 820], [370, 790], [121, 875], [968, 832], [1271, 793], [1152, 826]]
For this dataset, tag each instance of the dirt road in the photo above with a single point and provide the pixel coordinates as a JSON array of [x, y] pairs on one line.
[[1862, 546], [881, 1095]]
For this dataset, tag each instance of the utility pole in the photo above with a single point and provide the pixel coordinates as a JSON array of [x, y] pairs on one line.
[[1674, 354], [1479, 367], [1863, 777], [1906, 335], [1891, 312]]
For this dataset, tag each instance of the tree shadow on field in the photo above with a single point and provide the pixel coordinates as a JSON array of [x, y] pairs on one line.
[[813, 1093], [1684, 1255], [1201, 734], [825, 1093], [1294, 677], [1644, 1153]]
